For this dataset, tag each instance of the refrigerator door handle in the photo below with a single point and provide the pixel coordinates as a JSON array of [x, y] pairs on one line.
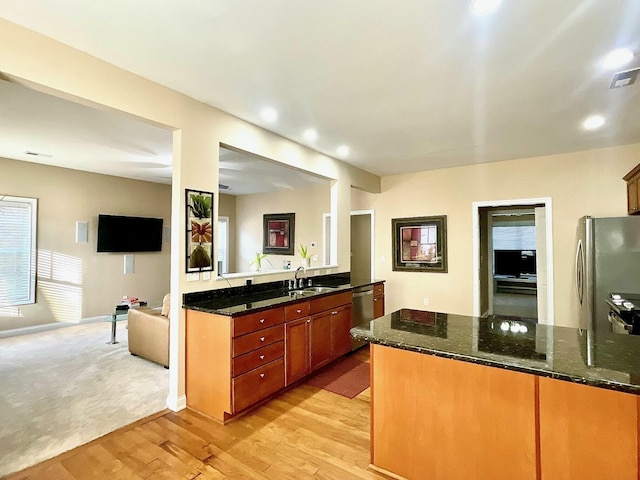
[[580, 271]]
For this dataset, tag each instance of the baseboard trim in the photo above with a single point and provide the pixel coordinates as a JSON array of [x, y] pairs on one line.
[[48, 326], [177, 403]]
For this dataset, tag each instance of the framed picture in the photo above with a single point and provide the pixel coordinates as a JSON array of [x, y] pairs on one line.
[[278, 233], [199, 255], [420, 244]]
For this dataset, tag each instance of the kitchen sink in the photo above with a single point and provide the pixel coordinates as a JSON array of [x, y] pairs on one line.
[[310, 290], [318, 289]]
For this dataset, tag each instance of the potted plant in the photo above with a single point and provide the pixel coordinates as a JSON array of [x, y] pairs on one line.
[[304, 254], [257, 261]]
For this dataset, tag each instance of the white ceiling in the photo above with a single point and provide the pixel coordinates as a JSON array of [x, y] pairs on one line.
[[409, 85]]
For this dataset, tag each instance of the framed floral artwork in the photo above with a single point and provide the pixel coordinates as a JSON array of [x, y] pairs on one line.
[[420, 244], [199, 255]]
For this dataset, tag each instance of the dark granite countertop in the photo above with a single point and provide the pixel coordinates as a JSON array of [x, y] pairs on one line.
[[253, 298], [605, 360]]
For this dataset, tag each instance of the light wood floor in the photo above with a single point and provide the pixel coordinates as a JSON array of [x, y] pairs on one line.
[[303, 433]]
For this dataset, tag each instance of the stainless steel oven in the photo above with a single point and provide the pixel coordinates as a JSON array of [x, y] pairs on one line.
[[624, 313]]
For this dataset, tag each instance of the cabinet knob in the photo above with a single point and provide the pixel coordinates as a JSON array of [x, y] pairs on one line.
[[309, 320], [262, 375], [262, 320], [375, 299], [261, 357], [262, 339], [334, 313], [298, 311]]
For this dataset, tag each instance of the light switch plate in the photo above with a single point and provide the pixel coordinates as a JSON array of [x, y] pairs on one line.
[[206, 275], [193, 277]]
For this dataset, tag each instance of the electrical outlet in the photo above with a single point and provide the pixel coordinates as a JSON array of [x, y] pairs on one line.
[[314, 258], [425, 301], [206, 275], [193, 277], [382, 259]]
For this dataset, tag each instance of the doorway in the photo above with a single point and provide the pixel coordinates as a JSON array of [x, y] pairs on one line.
[[362, 259], [513, 259]]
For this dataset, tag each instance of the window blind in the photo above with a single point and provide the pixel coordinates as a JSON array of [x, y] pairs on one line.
[[17, 250], [514, 237]]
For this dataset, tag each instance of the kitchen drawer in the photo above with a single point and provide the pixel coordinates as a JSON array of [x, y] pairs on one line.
[[257, 321], [378, 289], [259, 339], [257, 358], [296, 310], [330, 301], [257, 384]]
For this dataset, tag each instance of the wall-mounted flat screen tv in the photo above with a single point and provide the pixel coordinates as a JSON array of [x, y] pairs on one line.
[[118, 233]]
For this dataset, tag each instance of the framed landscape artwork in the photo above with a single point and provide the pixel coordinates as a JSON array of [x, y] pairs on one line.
[[199, 216], [278, 233], [420, 244]]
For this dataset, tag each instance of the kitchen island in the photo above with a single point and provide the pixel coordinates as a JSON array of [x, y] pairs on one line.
[[462, 397]]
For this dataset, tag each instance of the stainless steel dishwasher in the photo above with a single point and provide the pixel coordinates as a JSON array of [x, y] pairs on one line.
[[362, 312]]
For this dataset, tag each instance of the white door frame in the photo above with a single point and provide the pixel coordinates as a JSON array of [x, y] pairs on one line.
[[371, 213], [546, 201]]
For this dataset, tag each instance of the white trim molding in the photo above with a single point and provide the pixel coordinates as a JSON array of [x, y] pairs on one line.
[[176, 403], [475, 211]]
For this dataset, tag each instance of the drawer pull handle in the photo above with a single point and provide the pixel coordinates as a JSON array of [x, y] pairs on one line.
[[298, 311], [262, 320], [262, 375], [261, 357], [334, 313], [262, 339]]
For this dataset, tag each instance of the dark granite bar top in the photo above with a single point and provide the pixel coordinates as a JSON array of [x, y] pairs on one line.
[[253, 298], [605, 360]]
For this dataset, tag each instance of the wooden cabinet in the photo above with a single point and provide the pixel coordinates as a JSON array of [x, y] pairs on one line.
[[233, 363], [340, 326], [320, 340], [296, 342], [297, 350], [314, 341], [633, 191], [378, 300]]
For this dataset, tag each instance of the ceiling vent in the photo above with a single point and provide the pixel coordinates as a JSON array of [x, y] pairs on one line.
[[624, 79]]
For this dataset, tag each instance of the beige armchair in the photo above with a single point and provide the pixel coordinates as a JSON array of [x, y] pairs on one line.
[[149, 333]]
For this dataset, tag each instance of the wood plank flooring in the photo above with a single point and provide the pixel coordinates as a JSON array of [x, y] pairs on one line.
[[304, 433]]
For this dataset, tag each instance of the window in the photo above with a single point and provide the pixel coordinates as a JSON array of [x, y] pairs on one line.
[[17, 250]]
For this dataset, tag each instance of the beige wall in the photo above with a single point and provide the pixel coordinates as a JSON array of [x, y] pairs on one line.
[[582, 183], [308, 204], [199, 129], [227, 208], [74, 281]]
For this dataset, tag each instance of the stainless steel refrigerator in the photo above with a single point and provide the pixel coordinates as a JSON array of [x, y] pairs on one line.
[[607, 261]]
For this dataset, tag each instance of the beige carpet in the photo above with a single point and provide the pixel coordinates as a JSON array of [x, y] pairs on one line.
[[63, 388]]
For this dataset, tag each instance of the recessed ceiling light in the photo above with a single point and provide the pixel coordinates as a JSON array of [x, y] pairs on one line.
[[485, 7], [269, 114], [310, 134], [343, 150], [593, 122], [617, 58]]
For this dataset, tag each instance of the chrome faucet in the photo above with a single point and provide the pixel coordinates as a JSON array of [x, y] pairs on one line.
[[298, 282]]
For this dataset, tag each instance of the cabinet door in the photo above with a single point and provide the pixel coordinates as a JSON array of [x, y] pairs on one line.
[[632, 196], [297, 349], [340, 326], [378, 306], [320, 339]]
